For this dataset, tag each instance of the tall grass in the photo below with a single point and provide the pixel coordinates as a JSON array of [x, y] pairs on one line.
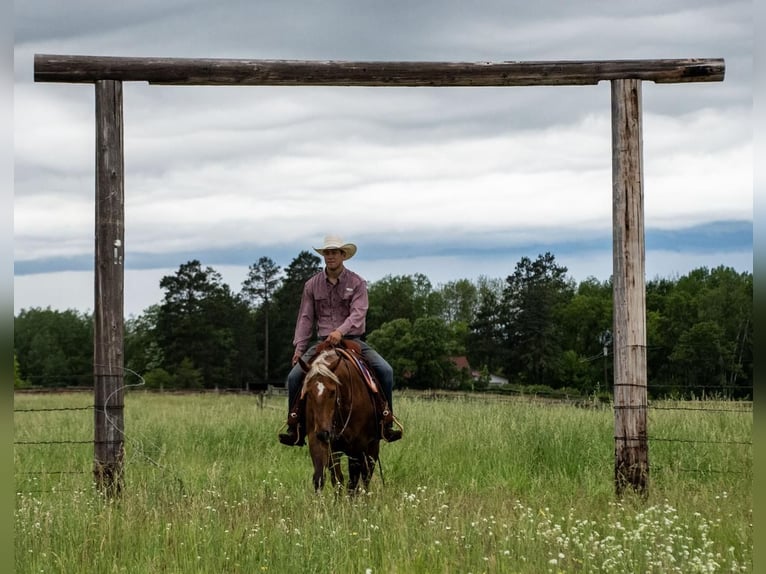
[[474, 486]]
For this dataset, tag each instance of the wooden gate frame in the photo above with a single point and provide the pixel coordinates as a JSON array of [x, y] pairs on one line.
[[628, 246]]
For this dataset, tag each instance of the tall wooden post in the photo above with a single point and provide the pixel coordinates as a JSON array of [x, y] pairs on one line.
[[631, 453], [108, 322]]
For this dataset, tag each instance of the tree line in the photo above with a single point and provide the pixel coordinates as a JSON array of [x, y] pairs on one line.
[[536, 328]]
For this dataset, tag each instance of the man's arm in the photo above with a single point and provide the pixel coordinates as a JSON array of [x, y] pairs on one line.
[[305, 322]]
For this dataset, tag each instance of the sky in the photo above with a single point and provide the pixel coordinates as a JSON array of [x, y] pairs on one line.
[[449, 182]]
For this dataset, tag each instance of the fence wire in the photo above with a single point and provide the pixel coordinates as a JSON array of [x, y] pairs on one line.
[[544, 398]]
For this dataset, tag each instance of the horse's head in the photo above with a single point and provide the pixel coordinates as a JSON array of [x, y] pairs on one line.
[[320, 386]]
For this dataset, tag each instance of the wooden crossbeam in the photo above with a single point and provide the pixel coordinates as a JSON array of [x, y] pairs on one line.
[[223, 72]]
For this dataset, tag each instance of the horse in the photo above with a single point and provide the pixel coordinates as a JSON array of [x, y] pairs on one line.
[[341, 418]]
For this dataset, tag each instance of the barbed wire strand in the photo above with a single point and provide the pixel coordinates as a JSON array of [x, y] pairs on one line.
[[138, 444], [141, 452]]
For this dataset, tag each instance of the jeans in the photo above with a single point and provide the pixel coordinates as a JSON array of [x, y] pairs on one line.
[[383, 373]]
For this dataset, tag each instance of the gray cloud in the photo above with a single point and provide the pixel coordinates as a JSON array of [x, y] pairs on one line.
[[265, 169]]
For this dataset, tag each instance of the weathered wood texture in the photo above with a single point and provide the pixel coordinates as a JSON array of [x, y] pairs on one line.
[[191, 71], [108, 360], [629, 292]]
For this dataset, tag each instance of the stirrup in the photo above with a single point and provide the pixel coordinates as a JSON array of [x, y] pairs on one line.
[[292, 439], [388, 417], [293, 436], [388, 432]]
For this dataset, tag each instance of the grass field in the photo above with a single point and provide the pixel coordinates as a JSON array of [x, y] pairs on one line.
[[475, 486]]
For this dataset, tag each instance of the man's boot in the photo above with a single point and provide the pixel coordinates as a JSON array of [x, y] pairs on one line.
[[390, 434], [296, 434]]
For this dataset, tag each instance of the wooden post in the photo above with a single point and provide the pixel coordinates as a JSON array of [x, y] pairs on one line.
[[631, 452], [631, 460], [108, 360]]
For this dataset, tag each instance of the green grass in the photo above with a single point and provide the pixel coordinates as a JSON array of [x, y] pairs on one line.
[[474, 486]]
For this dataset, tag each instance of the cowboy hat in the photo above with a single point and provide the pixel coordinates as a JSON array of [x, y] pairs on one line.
[[335, 242]]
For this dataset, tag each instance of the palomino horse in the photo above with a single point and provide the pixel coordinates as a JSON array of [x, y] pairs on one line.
[[340, 419]]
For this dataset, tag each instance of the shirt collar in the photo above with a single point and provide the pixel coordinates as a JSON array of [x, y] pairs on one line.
[[341, 276]]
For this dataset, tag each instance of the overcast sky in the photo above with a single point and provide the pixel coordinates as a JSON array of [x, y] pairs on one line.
[[451, 182]]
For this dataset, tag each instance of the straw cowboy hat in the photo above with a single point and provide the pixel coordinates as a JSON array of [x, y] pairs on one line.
[[335, 242]]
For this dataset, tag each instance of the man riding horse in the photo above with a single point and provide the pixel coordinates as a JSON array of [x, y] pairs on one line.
[[335, 300]]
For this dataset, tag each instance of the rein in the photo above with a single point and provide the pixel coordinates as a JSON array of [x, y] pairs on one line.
[[351, 402]]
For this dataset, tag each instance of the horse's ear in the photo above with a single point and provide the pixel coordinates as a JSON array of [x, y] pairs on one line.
[[303, 365], [335, 364]]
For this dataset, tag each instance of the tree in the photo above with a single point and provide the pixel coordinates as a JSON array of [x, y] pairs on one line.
[[583, 322], [686, 311], [460, 299], [701, 355], [286, 302], [187, 376], [48, 360], [159, 378], [259, 286], [486, 341], [728, 302], [142, 350], [393, 340], [195, 321], [431, 338], [533, 300], [401, 297], [18, 382], [418, 352], [54, 348]]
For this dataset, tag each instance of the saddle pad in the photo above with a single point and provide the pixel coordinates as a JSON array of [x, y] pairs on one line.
[[362, 367]]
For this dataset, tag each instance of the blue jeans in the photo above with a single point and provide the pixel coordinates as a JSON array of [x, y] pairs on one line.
[[383, 373]]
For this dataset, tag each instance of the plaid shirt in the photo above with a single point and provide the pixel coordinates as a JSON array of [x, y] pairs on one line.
[[341, 307]]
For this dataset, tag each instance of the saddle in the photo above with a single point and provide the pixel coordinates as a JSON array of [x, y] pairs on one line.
[[352, 351]]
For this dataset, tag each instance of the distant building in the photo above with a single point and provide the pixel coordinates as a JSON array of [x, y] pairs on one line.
[[462, 364]]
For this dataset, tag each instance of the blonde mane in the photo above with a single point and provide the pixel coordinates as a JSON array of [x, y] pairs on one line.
[[321, 367]]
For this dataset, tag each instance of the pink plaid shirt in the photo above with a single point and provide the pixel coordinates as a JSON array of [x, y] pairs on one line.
[[342, 306]]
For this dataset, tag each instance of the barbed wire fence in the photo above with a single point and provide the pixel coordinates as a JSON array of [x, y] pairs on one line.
[[141, 445], [706, 392]]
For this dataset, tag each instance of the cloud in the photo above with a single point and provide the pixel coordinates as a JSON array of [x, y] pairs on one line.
[[229, 171], [74, 289]]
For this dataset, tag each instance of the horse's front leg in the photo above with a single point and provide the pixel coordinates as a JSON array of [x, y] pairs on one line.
[[356, 470], [320, 452], [368, 469], [336, 472]]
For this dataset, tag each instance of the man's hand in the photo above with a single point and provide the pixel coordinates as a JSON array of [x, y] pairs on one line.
[[334, 337], [296, 355]]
